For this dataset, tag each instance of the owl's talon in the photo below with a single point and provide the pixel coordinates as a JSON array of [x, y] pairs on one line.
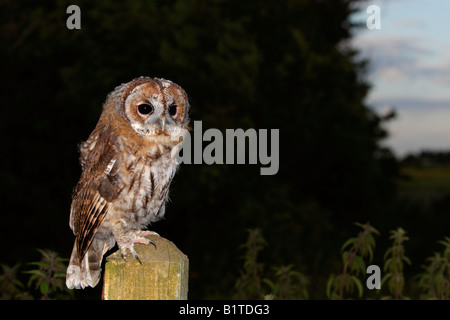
[[153, 243], [136, 257], [143, 233], [144, 241], [134, 236], [133, 253]]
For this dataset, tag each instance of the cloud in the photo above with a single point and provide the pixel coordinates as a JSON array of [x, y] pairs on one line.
[[420, 124], [427, 105], [438, 72], [394, 56], [411, 23], [419, 129], [409, 68]]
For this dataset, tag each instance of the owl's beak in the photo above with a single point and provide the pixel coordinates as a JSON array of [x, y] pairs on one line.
[[163, 123]]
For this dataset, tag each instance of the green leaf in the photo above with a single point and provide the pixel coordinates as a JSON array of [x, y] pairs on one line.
[[346, 256], [372, 241], [387, 264], [369, 249], [40, 273], [373, 230], [273, 286], [359, 225], [39, 263], [60, 275], [62, 259], [329, 285], [43, 287], [45, 253], [445, 242], [406, 259], [359, 285], [348, 243], [385, 278], [387, 253], [361, 264]]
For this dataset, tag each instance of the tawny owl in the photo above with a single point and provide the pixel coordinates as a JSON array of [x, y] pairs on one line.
[[128, 163]]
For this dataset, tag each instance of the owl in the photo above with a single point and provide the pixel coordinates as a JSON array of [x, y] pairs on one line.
[[128, 163]]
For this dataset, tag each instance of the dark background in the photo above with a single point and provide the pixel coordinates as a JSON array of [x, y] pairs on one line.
[[244, 64]]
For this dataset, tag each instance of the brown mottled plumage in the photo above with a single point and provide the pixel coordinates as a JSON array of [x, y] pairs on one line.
[[128, 163]]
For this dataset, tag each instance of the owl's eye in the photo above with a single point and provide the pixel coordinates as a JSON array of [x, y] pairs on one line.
[[173, 110], [145, 108]]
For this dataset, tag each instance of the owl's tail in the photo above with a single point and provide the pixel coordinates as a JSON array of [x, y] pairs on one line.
[[86, 273]]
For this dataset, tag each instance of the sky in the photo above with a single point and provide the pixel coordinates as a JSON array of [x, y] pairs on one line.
[[410, 71]]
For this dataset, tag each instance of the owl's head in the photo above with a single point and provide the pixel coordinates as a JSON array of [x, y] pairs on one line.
[[152, 106]]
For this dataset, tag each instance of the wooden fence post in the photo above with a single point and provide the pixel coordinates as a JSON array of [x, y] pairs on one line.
[[163, 274]]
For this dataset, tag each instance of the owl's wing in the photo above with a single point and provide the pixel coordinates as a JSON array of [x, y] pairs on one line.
[[97, 188]]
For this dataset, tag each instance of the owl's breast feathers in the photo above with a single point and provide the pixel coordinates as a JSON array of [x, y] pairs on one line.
[[121, 172]]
